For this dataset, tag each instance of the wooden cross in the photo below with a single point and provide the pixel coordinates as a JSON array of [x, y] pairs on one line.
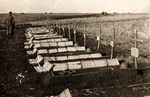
[[135, 44]]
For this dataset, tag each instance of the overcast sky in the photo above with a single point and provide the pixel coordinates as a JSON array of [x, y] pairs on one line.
[[82, 6]]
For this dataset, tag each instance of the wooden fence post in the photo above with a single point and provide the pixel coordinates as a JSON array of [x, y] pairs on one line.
[[84, 36], [112, 43], [59, 30], [74, 36], [99, 39], [84, 39], [135, 45], [69, 31]]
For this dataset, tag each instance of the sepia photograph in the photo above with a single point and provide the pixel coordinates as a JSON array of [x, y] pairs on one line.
[[74, 48]]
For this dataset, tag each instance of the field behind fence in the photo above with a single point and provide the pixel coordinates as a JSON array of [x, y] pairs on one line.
[[122, 25]]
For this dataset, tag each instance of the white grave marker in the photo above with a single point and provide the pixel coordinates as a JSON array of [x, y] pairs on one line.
[[74, 65], [71, 49], [112, 62], [100, 63], [61, 44], [62, 49], [60, 66], [80, 48], [84, 56], [73, 57], [53, 44], [87, 64], [49, 58], [69, 43], [42, 51], [45, 44], [52, 51], [57, 39], [61, 58], [96, 55]]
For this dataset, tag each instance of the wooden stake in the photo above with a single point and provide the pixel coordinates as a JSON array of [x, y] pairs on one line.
[[63, 31], [84, 35], [84, 28], [135, 31], [100, 34], [84, 39], [99, 40], [112, 44], [112, 50], [59, 30], [75, 36], [69, 31], [114, 33]]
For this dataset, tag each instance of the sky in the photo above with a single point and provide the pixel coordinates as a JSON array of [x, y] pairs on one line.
[[75, 6]]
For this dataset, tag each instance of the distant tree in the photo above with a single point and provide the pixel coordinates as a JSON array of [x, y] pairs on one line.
[[104, 13], [45, 13], [22, 13]]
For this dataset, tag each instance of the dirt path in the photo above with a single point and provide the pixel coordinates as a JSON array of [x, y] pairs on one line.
[[12, 63]]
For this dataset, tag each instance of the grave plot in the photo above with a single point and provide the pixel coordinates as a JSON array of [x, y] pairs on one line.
[[61, 57]]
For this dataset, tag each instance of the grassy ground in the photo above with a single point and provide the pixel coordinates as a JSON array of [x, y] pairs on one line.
[[120, 24], [14, 61]]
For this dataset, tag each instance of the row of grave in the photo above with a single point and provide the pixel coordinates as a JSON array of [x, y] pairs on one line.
[[56, 53]]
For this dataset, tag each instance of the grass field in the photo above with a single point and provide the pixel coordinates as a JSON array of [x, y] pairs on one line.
[[121, 24], [34, 17], [13, 58]]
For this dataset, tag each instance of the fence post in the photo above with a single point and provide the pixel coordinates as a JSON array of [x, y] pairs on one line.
[[84, 36], [99, 39], [69, 31], [112, 49], [59, 30], [114, 34], [63, 31], [84, 39], [112, 44], [74, 36], [135, 44]]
